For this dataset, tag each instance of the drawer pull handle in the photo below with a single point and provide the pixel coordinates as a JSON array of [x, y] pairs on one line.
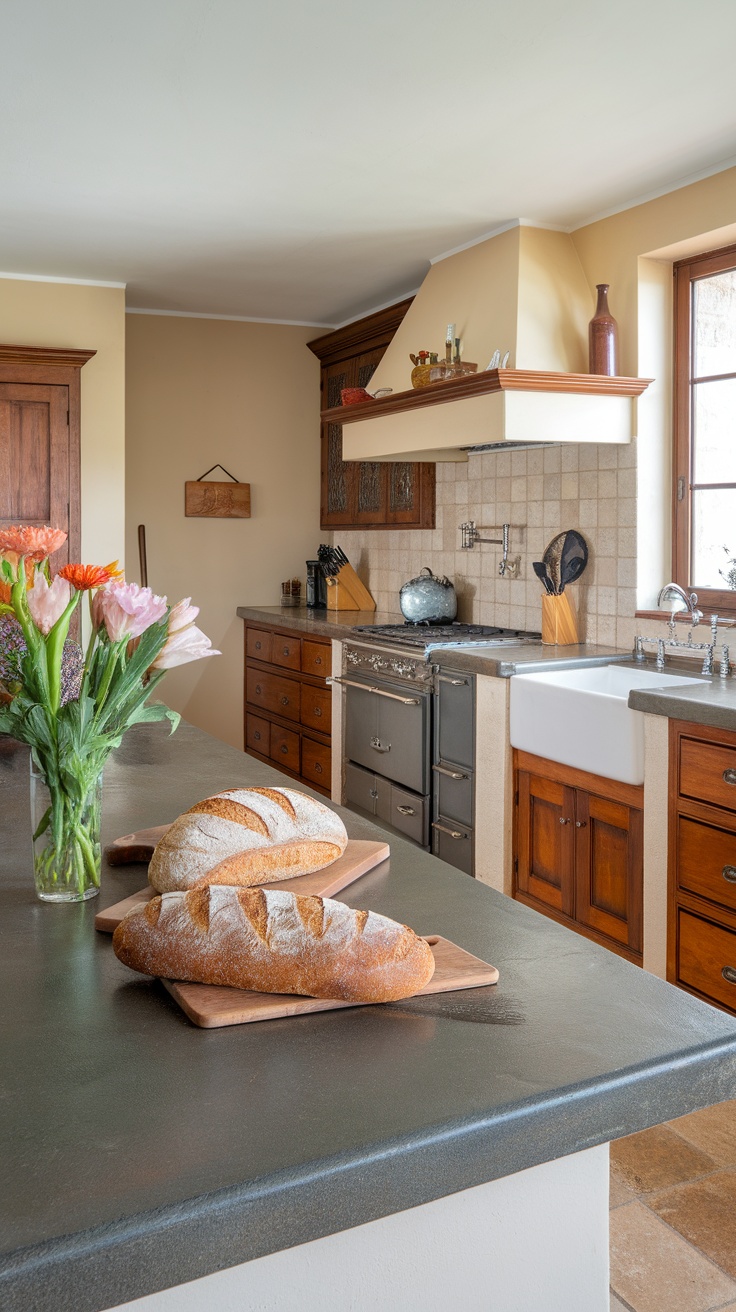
[[729, 776], [258, 646], [729, 974], [317, 711], [563, 821], [317, 768], [580, 824], [318, 660], [378, 746], [284, 701], [451, 833], [257, 735], [451, 774], [729, 874], [406, 810], [286, 651], [454, 683], [284, 748], [259, 690]]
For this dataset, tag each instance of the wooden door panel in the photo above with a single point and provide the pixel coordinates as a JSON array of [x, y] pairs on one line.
[[35, 458], [608, 864], [545, 841]]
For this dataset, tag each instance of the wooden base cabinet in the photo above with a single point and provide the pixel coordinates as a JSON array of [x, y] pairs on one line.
[[288, 704], [578, 851], [701, 927]]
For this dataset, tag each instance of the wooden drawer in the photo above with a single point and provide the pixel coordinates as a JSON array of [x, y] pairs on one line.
[[285, 747], [706, 861], [708, 772], [316, 658], [286, 651], [258, 644], [705, 952], [316, 762], [316, 708], [257, 734], [273, 693]]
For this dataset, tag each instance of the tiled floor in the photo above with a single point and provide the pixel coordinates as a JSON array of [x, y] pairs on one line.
[[673, 1215]]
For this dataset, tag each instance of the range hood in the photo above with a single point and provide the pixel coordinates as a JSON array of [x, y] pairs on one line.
[[521, 291]]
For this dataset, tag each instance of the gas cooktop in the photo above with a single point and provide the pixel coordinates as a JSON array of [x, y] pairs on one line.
[[428, 636]]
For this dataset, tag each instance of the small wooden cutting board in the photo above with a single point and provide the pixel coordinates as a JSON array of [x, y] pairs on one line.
[[211, 1006], [135, 849], [359, 857]]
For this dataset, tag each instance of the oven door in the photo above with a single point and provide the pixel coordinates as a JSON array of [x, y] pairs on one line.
[[387, 730]]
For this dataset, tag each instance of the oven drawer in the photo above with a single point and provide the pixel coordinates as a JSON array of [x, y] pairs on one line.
[[387, 731], [454, 729], [363, 787], [453, 843], [452, 786], [401, 809], [272, 693]]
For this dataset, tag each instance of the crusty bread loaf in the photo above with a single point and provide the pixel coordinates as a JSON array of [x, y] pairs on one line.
[[247, 836], [273, 941]]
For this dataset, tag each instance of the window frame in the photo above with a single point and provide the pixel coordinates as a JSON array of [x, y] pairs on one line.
[[686, 272]]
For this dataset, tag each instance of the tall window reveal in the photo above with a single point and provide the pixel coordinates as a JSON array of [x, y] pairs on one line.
[[705, 427]]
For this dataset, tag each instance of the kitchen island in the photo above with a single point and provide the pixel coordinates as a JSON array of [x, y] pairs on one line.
[[140, 1153]]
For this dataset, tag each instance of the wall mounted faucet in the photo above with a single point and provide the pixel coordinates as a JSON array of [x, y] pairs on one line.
[[507, 568]]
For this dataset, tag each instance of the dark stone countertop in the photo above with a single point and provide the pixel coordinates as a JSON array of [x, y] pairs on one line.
[[498, 662], [140, 1152], [712, 702]]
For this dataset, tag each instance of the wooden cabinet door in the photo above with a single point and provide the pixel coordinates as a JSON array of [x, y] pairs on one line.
[[609, 868], [37, 479], [338, 477], [545, 842]]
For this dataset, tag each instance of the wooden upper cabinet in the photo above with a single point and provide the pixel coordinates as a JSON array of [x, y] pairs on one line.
[[39, 441], [366, 494]]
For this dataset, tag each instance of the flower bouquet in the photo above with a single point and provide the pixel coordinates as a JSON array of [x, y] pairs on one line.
[[73, 708]]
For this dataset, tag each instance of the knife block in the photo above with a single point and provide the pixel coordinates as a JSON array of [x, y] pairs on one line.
[[559, 622], [346, 592]]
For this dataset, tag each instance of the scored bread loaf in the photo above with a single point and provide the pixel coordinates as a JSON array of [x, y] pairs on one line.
[[274, 941], [247, 836]]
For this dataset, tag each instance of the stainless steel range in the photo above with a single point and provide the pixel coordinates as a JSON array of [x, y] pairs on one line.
[[410, 731]]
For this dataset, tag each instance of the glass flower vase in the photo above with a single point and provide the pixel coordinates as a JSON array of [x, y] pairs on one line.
[[66, 839]]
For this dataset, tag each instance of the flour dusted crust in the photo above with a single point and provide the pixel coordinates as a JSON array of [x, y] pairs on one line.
[[247, 836], [274, 941]]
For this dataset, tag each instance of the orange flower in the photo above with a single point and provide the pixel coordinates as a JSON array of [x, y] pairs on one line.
[[28, 540], [84, 577], [12, 558]]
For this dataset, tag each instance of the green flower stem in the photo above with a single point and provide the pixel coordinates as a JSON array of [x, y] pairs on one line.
[[54, 651]]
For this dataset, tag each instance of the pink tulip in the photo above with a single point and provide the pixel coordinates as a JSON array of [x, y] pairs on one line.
[[188, 644], [128, 610], [47, 601]]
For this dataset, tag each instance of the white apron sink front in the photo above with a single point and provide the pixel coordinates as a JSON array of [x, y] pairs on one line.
[[581, 718]]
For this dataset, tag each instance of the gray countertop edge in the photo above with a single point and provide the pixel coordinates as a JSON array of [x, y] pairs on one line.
[[712, 704], [148, 1252]]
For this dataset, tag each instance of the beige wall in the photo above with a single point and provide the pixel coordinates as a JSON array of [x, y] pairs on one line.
[[246, 395], [619, 497], [93, 318]]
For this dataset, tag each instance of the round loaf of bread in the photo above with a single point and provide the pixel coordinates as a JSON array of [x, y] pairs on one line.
[[274, 941], [247, 836]]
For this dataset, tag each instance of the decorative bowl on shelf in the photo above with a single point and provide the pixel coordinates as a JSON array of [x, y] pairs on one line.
[[354, 395]]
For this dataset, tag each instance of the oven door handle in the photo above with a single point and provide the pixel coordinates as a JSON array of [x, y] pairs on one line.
[[456, 683], [453, 833], [379, 692], [451, 774]]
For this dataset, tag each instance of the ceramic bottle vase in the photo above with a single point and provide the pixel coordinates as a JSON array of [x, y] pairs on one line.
[[603, 337]]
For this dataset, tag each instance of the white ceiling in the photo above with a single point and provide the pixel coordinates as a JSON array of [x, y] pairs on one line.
[[303, 160]]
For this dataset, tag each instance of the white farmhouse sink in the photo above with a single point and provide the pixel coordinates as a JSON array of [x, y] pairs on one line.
[[581, 718]]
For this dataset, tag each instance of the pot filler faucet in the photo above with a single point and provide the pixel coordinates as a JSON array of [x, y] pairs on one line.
[[673, 593]]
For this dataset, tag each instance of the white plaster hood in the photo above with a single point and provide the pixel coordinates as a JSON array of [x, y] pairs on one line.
[[521, 291]]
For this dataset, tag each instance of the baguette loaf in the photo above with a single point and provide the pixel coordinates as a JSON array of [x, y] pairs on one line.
[[247, 836], [273, 941]]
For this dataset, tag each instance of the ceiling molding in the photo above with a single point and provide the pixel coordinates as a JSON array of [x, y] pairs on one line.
[[71, 282], [230, 318]]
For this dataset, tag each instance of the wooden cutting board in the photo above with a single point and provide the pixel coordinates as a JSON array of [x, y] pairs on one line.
[[135, 849], [359, 857], [211, 1006]]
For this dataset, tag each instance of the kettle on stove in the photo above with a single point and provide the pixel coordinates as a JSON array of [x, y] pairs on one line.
[[428, 599]]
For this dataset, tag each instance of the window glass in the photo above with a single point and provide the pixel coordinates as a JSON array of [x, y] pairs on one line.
[[714, 324], [714, 430], [713, 537]]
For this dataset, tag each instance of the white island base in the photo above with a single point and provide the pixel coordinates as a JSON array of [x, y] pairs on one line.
[[536, 1241]]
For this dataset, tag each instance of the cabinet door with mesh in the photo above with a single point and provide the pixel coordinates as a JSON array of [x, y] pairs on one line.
[[545, 843], [35, 473]]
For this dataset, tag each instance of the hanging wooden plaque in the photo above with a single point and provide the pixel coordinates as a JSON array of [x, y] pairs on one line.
[[217, 500]]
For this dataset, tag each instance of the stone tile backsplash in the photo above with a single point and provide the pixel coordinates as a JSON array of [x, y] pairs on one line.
[[540, 492]]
